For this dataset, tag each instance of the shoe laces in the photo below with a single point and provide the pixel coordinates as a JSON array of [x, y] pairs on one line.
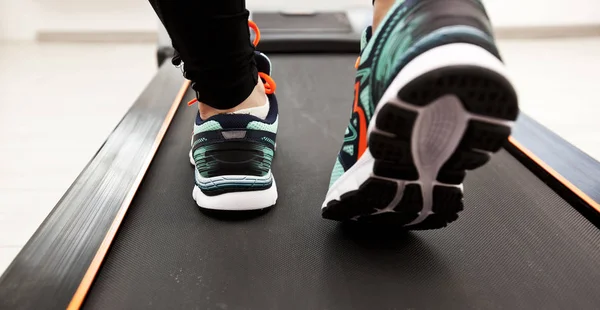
[[269, 83]]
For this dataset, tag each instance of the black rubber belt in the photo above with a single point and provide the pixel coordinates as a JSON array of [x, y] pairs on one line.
[[517, 245]]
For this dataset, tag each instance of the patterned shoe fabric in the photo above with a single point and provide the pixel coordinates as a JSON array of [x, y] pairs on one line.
[[432, 100]]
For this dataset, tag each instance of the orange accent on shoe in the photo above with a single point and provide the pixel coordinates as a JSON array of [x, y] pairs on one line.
[[270, 85], [256, 31], [357, 63], [191, 102], [362, 122]]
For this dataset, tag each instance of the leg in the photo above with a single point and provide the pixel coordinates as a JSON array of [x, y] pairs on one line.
[[380, 10], [234, 135], [432, 100], [214, 44]]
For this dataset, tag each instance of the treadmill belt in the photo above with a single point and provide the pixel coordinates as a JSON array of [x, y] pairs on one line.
[[517, 245]]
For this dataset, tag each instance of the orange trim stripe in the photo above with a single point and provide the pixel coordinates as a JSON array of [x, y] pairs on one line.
[[362, 122], [556, 175], [89, 276]]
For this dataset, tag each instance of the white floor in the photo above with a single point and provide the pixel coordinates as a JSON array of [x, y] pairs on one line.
[[59, 102]]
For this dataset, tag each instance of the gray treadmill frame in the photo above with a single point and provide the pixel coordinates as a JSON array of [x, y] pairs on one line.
[[295, 40]]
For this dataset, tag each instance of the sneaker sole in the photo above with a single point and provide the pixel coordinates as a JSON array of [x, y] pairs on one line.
[[235, 201], [446, 112]]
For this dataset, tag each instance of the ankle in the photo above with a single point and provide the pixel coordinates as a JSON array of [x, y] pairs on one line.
[[380, 10], [256, 99]]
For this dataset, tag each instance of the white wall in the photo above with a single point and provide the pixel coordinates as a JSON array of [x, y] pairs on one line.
[[18, 19], [21, 19], [519, 13], [95, 15]]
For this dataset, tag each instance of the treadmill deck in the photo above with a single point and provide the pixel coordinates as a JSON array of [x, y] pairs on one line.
[[517, 244]]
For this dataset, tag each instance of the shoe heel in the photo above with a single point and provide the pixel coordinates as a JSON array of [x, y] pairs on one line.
[[444, 114], [479, 82], [477, 77]]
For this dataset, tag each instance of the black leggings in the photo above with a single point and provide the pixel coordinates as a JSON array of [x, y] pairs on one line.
[[214, 44]]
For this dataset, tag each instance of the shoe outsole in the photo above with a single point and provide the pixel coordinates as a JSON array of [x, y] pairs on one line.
[[482, 92]]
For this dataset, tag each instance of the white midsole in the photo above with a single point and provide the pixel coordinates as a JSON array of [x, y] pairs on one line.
[[438, 129], [237, 201]]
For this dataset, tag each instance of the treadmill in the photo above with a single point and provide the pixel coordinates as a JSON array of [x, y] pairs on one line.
[[128, 235]]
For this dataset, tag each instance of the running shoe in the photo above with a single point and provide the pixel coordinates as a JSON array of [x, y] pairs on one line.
[[232, 154], [432, 99]]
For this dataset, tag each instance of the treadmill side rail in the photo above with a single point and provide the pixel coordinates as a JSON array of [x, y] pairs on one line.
[[573, 174], [50, 268]]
